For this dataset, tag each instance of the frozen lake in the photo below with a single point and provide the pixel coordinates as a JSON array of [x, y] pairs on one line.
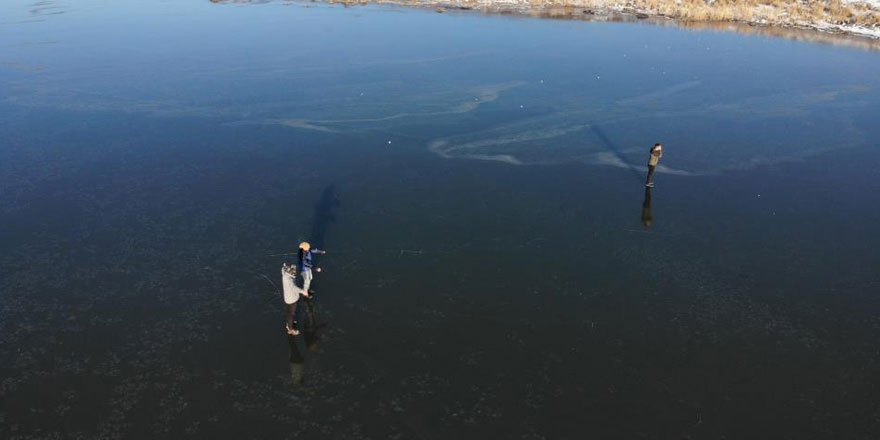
[[478, 183]]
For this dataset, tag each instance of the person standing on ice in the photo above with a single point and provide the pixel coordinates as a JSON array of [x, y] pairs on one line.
[[653, 160], [306, 252], [291, 296]]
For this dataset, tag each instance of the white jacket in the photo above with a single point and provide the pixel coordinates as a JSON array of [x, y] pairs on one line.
[[291, 292]]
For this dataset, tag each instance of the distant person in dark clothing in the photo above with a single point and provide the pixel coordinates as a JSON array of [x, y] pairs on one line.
[[306, 252], [653, 160], [647, 217]]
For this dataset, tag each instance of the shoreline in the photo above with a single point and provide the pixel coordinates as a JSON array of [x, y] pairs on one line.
[[785, 25]]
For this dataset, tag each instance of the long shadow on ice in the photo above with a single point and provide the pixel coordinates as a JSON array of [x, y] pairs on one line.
[[325, 214], [615, 150]]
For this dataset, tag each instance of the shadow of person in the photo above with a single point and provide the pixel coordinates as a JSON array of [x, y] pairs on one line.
[[615, 150], [297, 363], [324, 215], [310, 333], [647, 216]]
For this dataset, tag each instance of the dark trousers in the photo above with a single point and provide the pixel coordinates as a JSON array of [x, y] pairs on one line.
[[650, 174], [291, 312]]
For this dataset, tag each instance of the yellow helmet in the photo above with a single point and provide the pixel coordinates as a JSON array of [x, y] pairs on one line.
[[305, 246]]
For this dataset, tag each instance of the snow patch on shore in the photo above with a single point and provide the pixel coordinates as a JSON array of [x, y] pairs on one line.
[[858, 30], [872, 32], [874, 4]]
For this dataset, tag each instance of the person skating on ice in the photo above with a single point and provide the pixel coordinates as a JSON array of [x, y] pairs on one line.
[[306, 252], [653, 160]]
